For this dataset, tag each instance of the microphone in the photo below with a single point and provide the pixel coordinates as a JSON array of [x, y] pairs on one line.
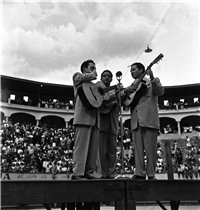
[[119, 74]]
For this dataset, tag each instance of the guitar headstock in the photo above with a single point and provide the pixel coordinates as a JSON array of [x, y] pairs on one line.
[[156, 60]]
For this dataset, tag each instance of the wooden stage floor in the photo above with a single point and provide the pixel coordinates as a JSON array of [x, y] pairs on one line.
[[124, 192]]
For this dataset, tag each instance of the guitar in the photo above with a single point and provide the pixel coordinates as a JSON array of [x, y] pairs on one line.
[[133, 98], [109, 105], [92, 95]]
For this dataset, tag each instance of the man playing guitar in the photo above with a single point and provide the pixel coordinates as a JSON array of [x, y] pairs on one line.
[[86, 123], [144, 120], [109, 113]]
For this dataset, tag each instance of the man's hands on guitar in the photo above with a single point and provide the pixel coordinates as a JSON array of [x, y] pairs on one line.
[[150, 73], [119, 87], [130, 89], [93, 74]]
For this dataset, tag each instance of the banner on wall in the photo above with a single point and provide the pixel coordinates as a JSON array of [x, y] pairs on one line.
[[34, 176]]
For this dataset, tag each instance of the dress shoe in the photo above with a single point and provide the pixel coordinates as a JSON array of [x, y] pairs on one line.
[[110, 177], [73, 177], [152, 178], [138, 177], [89, 176], [103, 177]]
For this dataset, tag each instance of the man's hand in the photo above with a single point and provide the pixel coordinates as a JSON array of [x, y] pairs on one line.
[[121, 86], [94, 74], [130, 89], [150, 73]]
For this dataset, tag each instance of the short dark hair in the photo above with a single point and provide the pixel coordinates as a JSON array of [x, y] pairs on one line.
[[139, 66], [86, 63], [106, 71]]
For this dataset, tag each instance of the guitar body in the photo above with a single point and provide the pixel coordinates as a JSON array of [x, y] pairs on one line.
[[133, 98], [108, 106], [92, 94]]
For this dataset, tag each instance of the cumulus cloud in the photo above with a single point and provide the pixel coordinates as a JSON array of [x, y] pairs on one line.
[[51, 36], [42, 38]]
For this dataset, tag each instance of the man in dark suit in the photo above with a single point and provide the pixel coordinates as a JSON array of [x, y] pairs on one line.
[[86, 124], [109, 113]]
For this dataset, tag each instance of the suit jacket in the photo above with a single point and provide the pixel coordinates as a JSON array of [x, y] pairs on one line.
[[145, 113], [110, 121], [82, 115]]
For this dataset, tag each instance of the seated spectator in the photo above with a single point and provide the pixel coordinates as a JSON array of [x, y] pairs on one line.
[[188, 143], [22, 152], [178, 157], [180, 170]]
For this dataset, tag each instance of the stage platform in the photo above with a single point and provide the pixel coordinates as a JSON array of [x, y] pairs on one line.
[[139, 207], [124, 192]]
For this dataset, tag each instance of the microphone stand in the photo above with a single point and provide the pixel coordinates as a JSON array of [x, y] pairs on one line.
[[121, 129]]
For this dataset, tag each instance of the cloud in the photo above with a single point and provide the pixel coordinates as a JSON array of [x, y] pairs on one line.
[[19, 14], [42, 39], [51, 36]]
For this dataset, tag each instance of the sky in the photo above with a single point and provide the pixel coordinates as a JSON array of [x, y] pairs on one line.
[[47, 41]]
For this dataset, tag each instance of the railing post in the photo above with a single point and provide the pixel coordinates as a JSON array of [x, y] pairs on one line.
[[168, 157], [174, 204]]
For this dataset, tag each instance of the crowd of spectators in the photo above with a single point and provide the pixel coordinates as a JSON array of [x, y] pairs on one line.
[[29, 148], [56, 104], [59, 104], [184, 129], [129, 159], [187, 158], [168, 129], [179, 105], [44, 103]]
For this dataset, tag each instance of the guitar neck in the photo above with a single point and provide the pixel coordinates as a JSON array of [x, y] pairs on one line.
[[159, 57], [143, 74], [140, 79], [107, 89]]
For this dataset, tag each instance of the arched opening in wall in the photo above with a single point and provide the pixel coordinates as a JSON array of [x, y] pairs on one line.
[[127, 123], [168, 125], [52, 122], [23, 118], [70, 123], [2, 117], [190, 123]]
